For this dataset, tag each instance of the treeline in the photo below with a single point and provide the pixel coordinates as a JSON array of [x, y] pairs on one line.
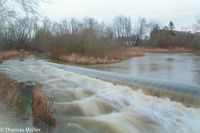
[[170, 38], [89, 37], [85, 37]]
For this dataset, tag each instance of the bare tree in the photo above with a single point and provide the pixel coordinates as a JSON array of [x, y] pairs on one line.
[[65, 26], [29, 6], [141, 29], [75, 25], [196, 26], [22, 29], [90, 23], [122, 26], [8, 9], [153, 25], [109, 32], [128, 27]]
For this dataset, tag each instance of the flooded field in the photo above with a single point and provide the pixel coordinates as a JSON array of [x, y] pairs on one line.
[[180, 68], [84, 104]]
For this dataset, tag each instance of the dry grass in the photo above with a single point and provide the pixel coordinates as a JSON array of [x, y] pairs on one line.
[[160, 50], [12, 96], [124, 53], [83, 60], [42, 111], [9, 91], [9, 54], [106, 58], [186, 99], [117, 55]]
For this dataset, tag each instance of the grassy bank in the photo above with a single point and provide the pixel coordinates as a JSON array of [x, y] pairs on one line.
[[116, 55], [106, 57], [4, 55], [164, 50], [112, 56], [10, 93]]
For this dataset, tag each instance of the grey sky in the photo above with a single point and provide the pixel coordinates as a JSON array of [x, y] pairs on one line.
[[182, 12]]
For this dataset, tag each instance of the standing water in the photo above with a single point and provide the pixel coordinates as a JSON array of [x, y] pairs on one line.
[[87, 105], [179, 68]]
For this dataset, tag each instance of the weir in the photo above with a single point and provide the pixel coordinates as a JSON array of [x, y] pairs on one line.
[[189, 89], [188, 94]]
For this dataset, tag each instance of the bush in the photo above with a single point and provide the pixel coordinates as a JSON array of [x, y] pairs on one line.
[[172, 39]]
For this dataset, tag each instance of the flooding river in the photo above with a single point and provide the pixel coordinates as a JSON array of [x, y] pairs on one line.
[[183, 68], [88, 105]]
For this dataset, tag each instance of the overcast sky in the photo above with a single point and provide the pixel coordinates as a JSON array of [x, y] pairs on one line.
[[182, 12]]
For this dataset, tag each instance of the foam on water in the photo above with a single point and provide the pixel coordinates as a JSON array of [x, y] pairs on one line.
[[84, 104]]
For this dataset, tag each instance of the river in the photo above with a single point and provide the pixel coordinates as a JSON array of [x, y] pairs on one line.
[[183, 68], [85, 104]]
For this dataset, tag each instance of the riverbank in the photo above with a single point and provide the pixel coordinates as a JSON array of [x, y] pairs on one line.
[[112, 56], [4, 55], [115, 56], [164, 50], [10, 93], [26, 99]]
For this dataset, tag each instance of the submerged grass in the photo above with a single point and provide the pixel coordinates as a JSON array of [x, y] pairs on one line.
[[83, 60], [164, 50], [184, 98], [42, 111]]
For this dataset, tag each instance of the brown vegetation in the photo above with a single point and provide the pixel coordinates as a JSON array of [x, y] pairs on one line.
[[83, 60], [124, 53], [10, 93], [42, 111], [9, 54], [186, 99], [164, 50], [117, 55], [171, 39], [88, 41], [110, 57], [94, 42]]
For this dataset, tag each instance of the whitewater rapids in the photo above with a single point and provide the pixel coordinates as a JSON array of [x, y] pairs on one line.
[[87, 105]]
